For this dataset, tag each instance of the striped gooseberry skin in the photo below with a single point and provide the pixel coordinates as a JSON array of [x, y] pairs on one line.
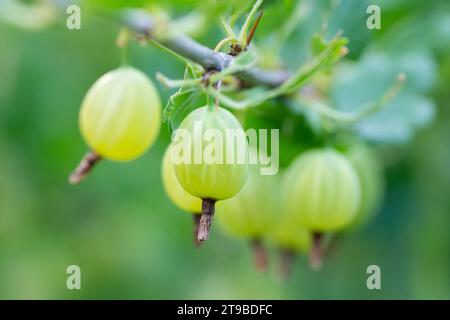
[[120, 116], [322, 191], [174, 190], [210, 179]]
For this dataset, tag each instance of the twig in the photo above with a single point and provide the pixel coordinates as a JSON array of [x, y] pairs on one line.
[[143, 24]]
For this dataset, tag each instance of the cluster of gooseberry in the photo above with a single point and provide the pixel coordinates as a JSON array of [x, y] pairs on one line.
[[120, 119], [323, 191]]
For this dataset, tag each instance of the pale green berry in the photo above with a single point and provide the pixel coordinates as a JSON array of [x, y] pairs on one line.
[[216, 181], [120, 117], [182, 199], [322, 191], [211, 158]]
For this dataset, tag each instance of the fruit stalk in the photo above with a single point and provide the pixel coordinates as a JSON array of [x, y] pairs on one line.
[[197, 217], [208, 208], [85, 166], [259, 254], [316, 254]]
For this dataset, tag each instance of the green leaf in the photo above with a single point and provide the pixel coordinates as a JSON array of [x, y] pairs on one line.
[[349, 16], [318, 44], [183, 101], [365, 81]]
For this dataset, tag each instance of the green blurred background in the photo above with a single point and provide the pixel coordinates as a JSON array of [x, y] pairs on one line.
[[131, 242]]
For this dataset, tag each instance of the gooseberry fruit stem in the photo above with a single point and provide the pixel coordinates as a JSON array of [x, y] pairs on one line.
[[316, 254], [259, 254], [197, 217], [85, 166], [208, 208]]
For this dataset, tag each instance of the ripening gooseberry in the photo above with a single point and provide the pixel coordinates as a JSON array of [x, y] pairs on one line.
[[367, 165], [211, 152], [177, 194], [251, 213], [121, 114], [322, 192], [120, 117]]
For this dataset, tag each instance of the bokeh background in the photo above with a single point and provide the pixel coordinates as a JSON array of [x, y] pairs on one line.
[[122, 230]]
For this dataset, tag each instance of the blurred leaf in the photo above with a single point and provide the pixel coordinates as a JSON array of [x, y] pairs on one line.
[[398, 122], [29, 16], [368, 79], [414, 20], [183, 101], [318, 44], [180, 104], [329, 55], [349, 16]]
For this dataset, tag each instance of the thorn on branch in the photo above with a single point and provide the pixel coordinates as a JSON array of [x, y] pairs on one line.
[[253, 29], [142, 25]]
